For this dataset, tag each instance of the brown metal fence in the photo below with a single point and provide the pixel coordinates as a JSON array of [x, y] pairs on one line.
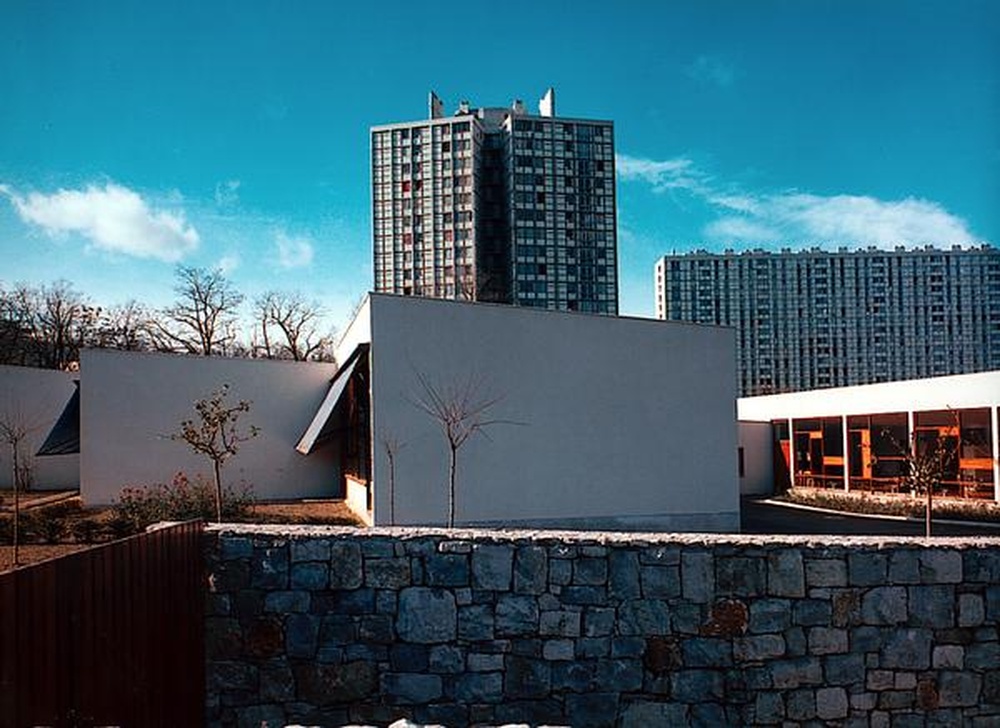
[[113, 635]]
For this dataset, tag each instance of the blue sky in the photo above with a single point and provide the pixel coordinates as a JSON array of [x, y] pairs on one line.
[[138, 135]]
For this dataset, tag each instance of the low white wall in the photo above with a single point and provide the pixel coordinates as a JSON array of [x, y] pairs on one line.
[[36, 398], [131, 403], [756, 442], [608, 422]]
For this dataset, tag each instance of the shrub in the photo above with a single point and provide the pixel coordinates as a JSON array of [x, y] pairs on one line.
[[180, 500]]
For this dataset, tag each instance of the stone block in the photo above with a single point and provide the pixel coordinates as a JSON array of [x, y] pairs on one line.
[[831, 703], [590, 571], [660, 582], [309, 576], [593, 647], [284, 602], [628, 646], [450, 570], [698, 576], [863, 702], [845, 607], [982, 656], [446, 659], [697, 686], [796, 644], [660, 555], [827, 641], [904, 566], [584, 595], [768, 708], [758, 647], [959, 689], [392, 573], [516, 616], [235, 547], [932, 606], [981, 566], [811, 612], [426, 615], [530, 713], [646, 713], [475, 622], [907, 649], [378, 548], [800, 704], [410, 687], [685, 617], [707, 652], [492, 566], [409, 658], [592, 709], [879, 680], [867, 568], [328, 685], [770, 615], [643, 617], [526, 677], [530, 570], [598, 621], [445, 714], [480, 687], [785, 574], [484, 662], [940, 566], [557, 650], [884, 605], [559, 624], [791, 674], [948, 657], [740, 576], [971, 611], [623, 575], [310, 549], [560, 571], [277, 683], [345, 565], [269, 568], [376, 628], [619, 675], [826, 572], [301, 633], [336, 630], [991, 687], [254, 716], [353, 601], [993, 604], [226, 675], [843, 669], [865, 639]]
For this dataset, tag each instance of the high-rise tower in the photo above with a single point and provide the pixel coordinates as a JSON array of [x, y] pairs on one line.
[[496, 204]]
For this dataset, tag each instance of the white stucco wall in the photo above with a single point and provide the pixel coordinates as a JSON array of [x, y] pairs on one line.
[[756, 441], [36, 397], [623, 423], [131, 402]]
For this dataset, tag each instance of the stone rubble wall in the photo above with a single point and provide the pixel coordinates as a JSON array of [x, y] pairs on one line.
[[332, 626]]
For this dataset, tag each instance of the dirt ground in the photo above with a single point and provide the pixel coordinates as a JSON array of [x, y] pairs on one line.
[[31, 553], [326, 512]]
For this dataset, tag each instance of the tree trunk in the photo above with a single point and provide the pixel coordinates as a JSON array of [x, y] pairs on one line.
[[929, 510], [451, 487], [218, 491], [17, 511]]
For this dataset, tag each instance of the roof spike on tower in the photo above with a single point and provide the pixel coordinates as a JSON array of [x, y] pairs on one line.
[[435, 109], [547, 104]]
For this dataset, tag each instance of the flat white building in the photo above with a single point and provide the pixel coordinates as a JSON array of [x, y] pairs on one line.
[[814, 319], [497, 205], [859, 438]]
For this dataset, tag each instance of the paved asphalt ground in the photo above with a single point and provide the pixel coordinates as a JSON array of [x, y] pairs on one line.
[[760, 518]]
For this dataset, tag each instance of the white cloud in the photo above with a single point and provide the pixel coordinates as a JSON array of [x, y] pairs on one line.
[[293, 252], [227, 193], [113, 218], [228, 263], [712, 69], [793, 218]]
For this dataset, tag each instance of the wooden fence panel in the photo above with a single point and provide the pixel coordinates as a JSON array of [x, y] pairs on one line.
[[113, 635]]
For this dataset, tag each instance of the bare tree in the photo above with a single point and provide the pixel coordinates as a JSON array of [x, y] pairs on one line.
[[460, 408], [127, 327], [287, 325], [204, 318], [214, 434], [45, 326], [926, 463], [392, 445], [14, 428]]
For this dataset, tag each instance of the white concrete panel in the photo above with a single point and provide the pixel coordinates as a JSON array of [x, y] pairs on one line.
[[131, 403], [755, 440], [620, 423], [36, 398]]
